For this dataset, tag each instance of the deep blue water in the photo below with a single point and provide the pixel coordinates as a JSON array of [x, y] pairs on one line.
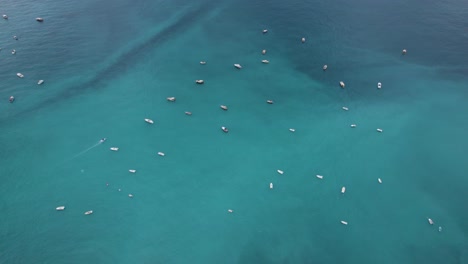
[[107, 65]]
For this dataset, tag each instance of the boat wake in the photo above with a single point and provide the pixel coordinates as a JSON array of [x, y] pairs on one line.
[[86, 150]]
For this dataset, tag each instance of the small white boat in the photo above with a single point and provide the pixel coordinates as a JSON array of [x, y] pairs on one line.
[[224, 129], [20, 75], [238, 66], [114, 149], [263, 52], [15, 37], [130, 195], [403, 51], [353, 125], [161, 154], [379, 130], [319, 176], [13, 52], [188, 113], [149, 121], [292, 130], [265, 61], [88, 212], [60, 208], [202, 62], [269, 101], [5, 17], [430, 221], [12, 99], [343, 189], [271, 185], [440, 229], [379, 85], [171, 99], [102, 140], [132, 171], [325, 67], [344, 222], [265, 31], [199, 81], [303, 40], [39, 19], [280, 172], [345, 108], [40, 82], [342, 84], [230, 210], [223, 107], [379, 180]]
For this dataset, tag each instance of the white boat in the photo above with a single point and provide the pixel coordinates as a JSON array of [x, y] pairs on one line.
[[265, 61], [379, 130], [319, 176], [171, 99], [88, 212], [199, 81], [40, 82], [403, 51], [269, 101], [5, 17], [223, 107], [161, 154], [303, 40], [224, 129], [325, 67], [130, 195], [343, 189], [353, 125], [345, 108], [440, 229], [344, 222], [430, 221], [13, 52], [342, 84], [132, 171], [238, 66], [292, 130], [202, 62], [280, 172], [39, 19], [265, 31], [230, 210], [60, 208], [263, 52], [20, 75], [379, 85], [271, 185], [149, 121], [188, 113], [12, 99], [15, 37], [102, 140], [379, 180], [114, 149]]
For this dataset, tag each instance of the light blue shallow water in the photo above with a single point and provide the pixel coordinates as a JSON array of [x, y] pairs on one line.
[[108, 65]]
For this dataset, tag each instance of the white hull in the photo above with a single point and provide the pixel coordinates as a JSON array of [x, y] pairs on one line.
[[265, 61], [379, 85], [20, 75], [130, 195], [342, 84], [171, 99], [161, 154], [60, 208], [132, 171], [271, 185], [238, 66], [430, 221], [379, 130], [223, 107], [343, 189], [280, 171], [40, 82], [379, 180], [319, 176], [344, 222], [88, 212], [345, 108], [292, 130], [114, 149], [353, 125], [149, 121]]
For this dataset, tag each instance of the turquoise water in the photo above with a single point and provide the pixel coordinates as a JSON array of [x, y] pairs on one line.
[[108, 65]]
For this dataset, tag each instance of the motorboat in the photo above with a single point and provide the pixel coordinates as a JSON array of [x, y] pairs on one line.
[[5, 17], [12, 99], [379, 85], [265, 61], [292, 130], [303, 40], [20, 75], [13, 52], [238, 66], [343, 189], [132, 171], [202, 62], [269, 101], [39, 19], [345, 108], [114, 149], [280, 172], [325, 67], [15, 37], [224, 129], [40, 82], [440, 229], [102, 140], [319, 176], [230, 210], [263, 52], [171, 99], [353, 125], [344, 222], [430, 221], [60, 208], [379, 130], [271, 185], [88, 212], [149, 121], [265, 31], [342, 84], [188, 113], [223, 107], [161, 154], [403, 51], [130, 195], [379, 180], [199, 81]]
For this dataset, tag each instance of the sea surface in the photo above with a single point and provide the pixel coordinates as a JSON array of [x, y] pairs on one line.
[[107, 65]]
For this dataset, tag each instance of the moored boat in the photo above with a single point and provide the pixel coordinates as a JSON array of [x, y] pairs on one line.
[[20, 75], [114, 149], [149, 121], [39, 19], [343, 189], [344, 222], [199, 81], [264, 52], [379, 85], [271, 185], [88, 212], [345, 108], [379, 180], [224, 129], [379, 130], [319, 176], [12, 99], [280, 171], [269, 101], [265, 61], [40, 82], [60, 208], [162, 154], [342, 84], [132, 171], [171, 99], [223, 107], [238, 66]]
